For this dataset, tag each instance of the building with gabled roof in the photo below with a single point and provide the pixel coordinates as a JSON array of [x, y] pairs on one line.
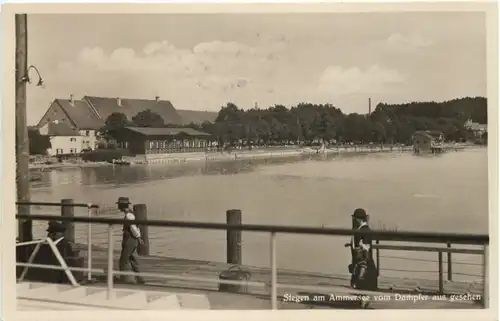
[[76, 114], [91, 112], [104, 106]]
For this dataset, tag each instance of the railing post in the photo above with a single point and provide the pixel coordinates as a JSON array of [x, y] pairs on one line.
[[377, 251], [62, 262], [233, 238], [274, 273], [141, 213], [486, 277], [67, 210], [450, 274], [110, 262], [89, 243], [440, 269]]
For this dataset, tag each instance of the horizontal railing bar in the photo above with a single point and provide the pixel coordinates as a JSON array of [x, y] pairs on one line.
[[427, 260], [380, 235], [58, 204], [57, 267], [426, 249]]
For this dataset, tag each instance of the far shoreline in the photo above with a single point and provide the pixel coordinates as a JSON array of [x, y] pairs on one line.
[[236, 155]]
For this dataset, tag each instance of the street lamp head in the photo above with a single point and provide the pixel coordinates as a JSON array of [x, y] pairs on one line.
[[27, 78], [40, 83]]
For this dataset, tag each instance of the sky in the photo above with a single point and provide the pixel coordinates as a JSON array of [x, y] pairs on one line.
[[203, 61]]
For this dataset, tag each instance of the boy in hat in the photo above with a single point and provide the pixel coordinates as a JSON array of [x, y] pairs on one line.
[[131, 239], [362, 256], [56, 230], [361, 251]]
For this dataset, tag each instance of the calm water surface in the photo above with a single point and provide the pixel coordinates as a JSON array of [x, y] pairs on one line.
[[445, 193]]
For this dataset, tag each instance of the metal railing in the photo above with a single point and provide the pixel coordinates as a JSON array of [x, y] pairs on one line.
[[438, 250], [53, 246], [274, 230], [90, 208]]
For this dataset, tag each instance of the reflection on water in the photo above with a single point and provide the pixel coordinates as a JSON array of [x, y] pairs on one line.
[[445, 193], [124, 175]]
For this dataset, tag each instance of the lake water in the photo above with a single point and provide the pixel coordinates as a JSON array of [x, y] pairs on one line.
[[443, 193]]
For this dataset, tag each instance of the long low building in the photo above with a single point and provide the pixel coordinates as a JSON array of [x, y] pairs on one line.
[[164, 140]]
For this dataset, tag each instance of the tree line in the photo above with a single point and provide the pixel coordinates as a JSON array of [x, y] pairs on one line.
[[308, 123]]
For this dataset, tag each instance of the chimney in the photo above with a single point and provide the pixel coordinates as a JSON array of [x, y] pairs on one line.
[[157, 98], [71, 101], [369, 106], [118, 101]]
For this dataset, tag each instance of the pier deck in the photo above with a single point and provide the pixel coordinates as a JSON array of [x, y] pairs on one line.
[[257, 298]]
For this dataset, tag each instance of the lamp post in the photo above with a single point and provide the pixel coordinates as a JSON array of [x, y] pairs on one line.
[[22, 141]]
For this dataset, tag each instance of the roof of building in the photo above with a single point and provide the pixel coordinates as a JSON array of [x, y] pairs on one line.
[[131, 107], [422, 133], [166, 131], [80, 113], [196, 116], [431, 133], [59, 129]]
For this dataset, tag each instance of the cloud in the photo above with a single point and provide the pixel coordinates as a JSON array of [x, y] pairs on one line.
[[338, 81], [211, 74], [203, 77], [400, 42]]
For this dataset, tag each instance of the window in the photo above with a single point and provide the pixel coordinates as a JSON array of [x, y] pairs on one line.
[[72, 150], [72, 139], [59, 151], [87, 133]]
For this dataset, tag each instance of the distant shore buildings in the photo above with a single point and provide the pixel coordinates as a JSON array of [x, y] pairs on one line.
[[74, 125], [427, 141], [477, 129]]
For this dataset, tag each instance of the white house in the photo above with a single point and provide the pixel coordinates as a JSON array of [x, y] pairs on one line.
[[63, 139], [477, 128]]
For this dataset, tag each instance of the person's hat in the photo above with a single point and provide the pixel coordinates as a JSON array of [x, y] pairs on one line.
[[360, 213], [123, 200], [56, 227]]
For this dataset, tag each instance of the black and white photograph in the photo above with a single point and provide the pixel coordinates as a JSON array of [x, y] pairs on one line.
[[253, 160]]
